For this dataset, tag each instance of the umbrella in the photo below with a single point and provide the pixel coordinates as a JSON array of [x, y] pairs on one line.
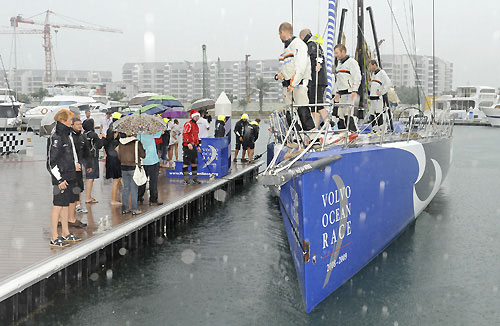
[[173, 113], [140, 98], [147, 107], [48, 123], [140, 124], [165, 100], [203, 104]]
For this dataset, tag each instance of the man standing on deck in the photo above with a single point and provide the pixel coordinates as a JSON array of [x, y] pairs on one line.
[[317, 86], [295, 72], [348, 80], [191, 147], [379, 85]]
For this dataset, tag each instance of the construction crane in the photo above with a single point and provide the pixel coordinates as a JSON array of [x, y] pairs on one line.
[[247, 77], [48, 27]]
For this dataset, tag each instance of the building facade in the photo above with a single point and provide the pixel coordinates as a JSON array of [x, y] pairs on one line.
[[28, 81], [401, 71], [184, 80]]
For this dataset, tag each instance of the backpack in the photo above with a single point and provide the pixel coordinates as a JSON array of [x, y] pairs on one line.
[[92, 145]]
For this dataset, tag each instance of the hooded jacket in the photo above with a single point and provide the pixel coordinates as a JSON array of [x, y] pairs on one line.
[[82, 147], [316, 56], [94, 140], [190, 133], [220, 129], [348, 75], [239, 127], [294, 62], [126, 152], [380, 82], [61, 155]]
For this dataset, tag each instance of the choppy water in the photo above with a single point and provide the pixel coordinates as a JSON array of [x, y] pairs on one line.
[[233, 266]]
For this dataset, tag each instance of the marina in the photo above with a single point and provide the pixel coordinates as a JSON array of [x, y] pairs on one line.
[[31, 272]]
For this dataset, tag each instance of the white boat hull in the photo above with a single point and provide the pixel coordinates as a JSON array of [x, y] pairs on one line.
[[493, 115]]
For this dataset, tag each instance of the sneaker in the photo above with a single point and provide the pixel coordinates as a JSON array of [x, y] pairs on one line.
[[83, 210], [155, 203], [243, 160], [59, 243], [235, 160], [137, 212], [78, 224], [195, 181], [71, 237], [125, 211]]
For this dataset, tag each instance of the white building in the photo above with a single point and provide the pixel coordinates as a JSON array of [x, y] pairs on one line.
[[29, 81], [184, 80], [401, 71]]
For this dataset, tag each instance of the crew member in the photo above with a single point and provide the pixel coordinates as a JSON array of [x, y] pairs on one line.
[[379, 85], [348, 80], [295, 72], [191, 147], [239, 127], [220, 126], [317, 85]]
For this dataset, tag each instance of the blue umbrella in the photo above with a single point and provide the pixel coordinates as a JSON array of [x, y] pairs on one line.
[[169, 103]]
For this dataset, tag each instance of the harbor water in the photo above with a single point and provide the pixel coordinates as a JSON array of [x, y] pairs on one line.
[[233, 265]]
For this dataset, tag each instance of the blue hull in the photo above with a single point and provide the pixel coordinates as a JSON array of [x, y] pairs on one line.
[[345, 214]]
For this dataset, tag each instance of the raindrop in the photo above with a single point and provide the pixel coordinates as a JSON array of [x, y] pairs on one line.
[[362, 217], [191, 276], [359, 292], [265, 246], [160, 240], [220, 195], [376, 269], [109, 274], [382, 186], [385, 311], [122, 251], [224, 258], [235, 270], [255, 224], [396, 323], [94, 276], [439, 217], [364, 309], [188, 256], [445, 256], [384, 255], [495, 288], [286, 278]]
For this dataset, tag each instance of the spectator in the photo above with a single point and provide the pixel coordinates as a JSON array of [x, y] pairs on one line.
[[62, 163], [191, 147], [163, 150], [220, 126], [151, 165], [126, 155], [175, 140], [96, 143], [106, 121], [113, 169], [87, 116], [203, 126]]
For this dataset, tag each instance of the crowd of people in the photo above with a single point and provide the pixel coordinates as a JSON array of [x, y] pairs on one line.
[[74, 152]]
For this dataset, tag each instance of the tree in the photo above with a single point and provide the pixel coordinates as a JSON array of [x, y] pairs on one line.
[[23, 98], [230, 96], [116, 96], [262, 86], [407, 95], [40, 94], [243, 103]]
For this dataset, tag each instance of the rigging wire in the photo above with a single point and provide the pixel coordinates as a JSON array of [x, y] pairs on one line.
[[405, 45]]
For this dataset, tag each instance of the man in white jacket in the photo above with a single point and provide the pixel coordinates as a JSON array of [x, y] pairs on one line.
[[348, 79], [379, 85], [295, 72]]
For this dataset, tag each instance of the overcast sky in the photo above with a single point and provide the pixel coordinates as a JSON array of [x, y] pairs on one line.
[[467, 32]]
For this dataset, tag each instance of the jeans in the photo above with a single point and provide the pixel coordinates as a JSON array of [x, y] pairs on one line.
[[129, 188], [152, 172]]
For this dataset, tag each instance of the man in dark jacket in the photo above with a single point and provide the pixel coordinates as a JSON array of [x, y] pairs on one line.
[[83, 153], [317, 86], [239, 127], [220, 126], [62, 163]]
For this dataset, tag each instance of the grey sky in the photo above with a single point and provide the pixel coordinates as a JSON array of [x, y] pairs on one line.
[[467, 32]]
